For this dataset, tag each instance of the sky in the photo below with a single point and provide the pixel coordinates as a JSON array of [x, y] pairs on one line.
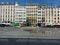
[[23, 2]]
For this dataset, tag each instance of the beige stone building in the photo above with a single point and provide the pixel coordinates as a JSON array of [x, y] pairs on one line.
[[32, 12], [52, 16], [49, 15], [20, 14], [41, 14], [7, 12]]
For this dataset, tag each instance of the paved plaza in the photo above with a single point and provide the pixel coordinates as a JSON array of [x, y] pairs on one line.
[[28, 32]]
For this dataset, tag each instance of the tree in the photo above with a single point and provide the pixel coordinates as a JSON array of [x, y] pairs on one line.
[[28, 23]]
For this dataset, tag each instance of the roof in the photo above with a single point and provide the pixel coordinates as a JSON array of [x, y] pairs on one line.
[[8, 4]]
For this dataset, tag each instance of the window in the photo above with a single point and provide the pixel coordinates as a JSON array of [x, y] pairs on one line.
[[20, 21], [20, 12], [55, 11], [3, 15], [43, 12], [55, 18], [11, 9], [49, 17], [47, 14], [3, 19], [58, 21], [39, 12], [20, 15], [58, 18], [58, 11], [43, 15], [39, 18], [58, 14], [49, 20], [55, 14], [54, 21], [8, 19], [39, 21]]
